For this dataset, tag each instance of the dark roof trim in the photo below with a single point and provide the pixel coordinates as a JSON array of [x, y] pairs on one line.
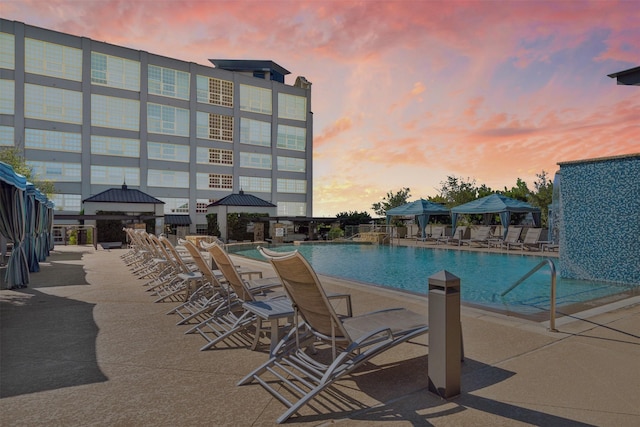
[[177, 219], [248, 65], [629, 77]]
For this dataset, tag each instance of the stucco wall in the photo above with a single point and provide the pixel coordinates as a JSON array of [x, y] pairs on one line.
[[600, 219]]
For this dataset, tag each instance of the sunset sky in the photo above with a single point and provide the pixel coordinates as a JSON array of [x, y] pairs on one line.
[[406, 93]]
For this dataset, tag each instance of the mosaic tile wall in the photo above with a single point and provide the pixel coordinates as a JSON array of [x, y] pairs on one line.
[[600, 219]]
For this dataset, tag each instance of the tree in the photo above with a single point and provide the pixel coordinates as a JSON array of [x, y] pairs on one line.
[[543, 196], [353, 218], [391, 200], [13, 157], [519, 192], [457, 191]]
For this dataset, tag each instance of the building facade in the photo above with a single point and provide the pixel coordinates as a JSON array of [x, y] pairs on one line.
[[90, 116]]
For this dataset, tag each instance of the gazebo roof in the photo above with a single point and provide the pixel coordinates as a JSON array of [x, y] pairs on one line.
[[123, 195], [242, 199]]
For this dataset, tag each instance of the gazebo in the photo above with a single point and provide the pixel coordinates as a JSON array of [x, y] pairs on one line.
[[26, 217], [496, 203], [422, 209]]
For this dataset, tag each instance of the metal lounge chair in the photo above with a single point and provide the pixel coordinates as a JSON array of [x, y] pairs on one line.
[[230, 318], [530, 241], [294, 376], [481, 239], [436, 233], [185, 280], [513, 236], [456, 236], [207, 297]]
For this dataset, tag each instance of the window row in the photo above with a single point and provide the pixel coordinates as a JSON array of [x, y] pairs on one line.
[[55, 60], [62, 105], [173, 205]]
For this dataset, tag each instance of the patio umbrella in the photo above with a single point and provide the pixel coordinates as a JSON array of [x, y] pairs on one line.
[[422, 209]]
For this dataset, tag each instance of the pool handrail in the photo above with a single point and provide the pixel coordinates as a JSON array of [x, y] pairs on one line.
[[552, 308]]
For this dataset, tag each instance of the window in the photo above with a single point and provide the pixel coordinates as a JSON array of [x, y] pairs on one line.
[[7, 95], [255, 184], [292, 107], [202, 229], [53, 60], [201, 205], [114, 175], [67, 202], [7, 51], [52, 140], [214, 91], [49, 103], [292, 209], [167, 120], [6, 135], [291, 164], [163, 178], [175, 205], [255, 132], [214, 126], [118, 113], [170, 152], [111, 146], [168, 82], [292, 138], [255, 160], [298, 186], [255, 99], [56, 171], [216, 181], [214, 156], [115, 72]]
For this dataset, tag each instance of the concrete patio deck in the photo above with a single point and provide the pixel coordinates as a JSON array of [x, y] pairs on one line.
[[85, 345]]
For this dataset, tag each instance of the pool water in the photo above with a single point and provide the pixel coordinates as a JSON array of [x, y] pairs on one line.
[[483, 276]]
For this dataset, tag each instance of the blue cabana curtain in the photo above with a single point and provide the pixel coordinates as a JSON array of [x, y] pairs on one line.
[[30, 228], [12, 225]]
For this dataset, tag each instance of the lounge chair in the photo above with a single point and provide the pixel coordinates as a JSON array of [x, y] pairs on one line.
[[436, 233], [513, 236], [231, 317], [531, 240], [299, 375], [185, 281], [481, 239], [456, 238], [207, 297]]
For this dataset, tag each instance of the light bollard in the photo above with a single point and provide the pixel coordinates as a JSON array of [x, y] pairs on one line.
[[445, 335]]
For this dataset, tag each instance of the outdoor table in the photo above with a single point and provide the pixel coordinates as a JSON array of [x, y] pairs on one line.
[[271, 310]]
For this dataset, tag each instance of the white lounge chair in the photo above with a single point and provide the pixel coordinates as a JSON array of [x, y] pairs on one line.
[[294, 376]]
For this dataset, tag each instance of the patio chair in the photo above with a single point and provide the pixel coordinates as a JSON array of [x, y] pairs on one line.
[[456, 237], [211, 294], [530, 241], [513, 236], [183, 283], [301, 375], [229, 318], [436, 233], [481, 239]]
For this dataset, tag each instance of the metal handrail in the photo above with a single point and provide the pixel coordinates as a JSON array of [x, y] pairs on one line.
[[552, 308]]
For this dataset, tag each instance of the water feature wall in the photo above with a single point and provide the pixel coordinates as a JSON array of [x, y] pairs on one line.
[[596, 215]]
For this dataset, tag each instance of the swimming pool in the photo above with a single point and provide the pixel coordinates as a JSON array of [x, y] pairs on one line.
[[483, 276]]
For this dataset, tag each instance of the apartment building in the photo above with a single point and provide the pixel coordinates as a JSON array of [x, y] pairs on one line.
[[90, 116]]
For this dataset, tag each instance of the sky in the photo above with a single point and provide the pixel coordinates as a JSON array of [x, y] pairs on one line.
[[407, 93]]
